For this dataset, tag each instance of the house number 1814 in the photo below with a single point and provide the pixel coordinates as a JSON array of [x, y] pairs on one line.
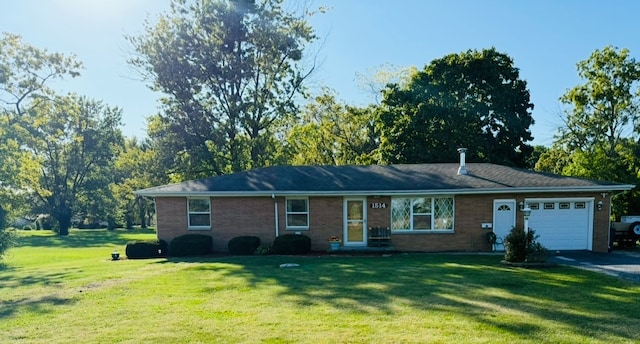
[[378, 205]]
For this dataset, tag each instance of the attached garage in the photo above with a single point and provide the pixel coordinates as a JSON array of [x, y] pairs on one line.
[[562, 223]]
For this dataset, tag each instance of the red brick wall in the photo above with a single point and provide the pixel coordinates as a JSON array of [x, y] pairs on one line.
[[235, 216], [325, 220], [379, 217], [171, 214]]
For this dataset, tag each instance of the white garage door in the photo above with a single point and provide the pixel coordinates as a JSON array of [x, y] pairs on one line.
[[562, 224]]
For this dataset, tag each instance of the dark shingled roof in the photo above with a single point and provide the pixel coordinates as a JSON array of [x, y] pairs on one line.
[[381, 180]]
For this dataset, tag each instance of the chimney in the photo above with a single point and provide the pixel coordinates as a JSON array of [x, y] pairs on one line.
[[463, 168]]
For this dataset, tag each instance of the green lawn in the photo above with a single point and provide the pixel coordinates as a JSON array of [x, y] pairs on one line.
[[66, 290]]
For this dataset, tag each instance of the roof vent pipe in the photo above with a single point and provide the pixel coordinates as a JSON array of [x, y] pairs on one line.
[[463, 167]]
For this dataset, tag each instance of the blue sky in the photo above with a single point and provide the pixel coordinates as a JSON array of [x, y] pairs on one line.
[[545, 38]]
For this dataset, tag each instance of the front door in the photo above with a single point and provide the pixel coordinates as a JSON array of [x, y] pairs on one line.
[[504, 217], [355, 215]]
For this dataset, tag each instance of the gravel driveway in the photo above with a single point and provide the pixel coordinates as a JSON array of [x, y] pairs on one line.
[[623, 264]]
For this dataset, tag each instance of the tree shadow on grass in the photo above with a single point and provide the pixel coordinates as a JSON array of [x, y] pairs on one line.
[[39, 305], [54, 281], [477, 288], [16, 279]]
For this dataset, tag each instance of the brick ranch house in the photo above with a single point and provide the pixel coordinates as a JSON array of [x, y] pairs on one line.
[[427, 207]]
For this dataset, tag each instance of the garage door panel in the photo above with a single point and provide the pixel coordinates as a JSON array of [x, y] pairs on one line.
[[562, 229]]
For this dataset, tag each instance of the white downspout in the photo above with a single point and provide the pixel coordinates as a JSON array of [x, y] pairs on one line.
[[275, 207]]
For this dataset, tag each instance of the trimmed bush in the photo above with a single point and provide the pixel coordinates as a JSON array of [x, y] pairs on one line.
[[191, 245], [291, 244], [243, 244], [146, 249], [522, 247], [7, 240]]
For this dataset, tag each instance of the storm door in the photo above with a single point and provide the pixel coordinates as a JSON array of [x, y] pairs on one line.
[[355, 224]]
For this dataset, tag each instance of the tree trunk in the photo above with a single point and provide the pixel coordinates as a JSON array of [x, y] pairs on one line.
[[2, 217], [128, 220], [64, 222], [142, 204], [63, 216]]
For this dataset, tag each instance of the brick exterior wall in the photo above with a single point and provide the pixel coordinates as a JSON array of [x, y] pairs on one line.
[[379, 217], [171, 214], [325, 220], [235, 216]]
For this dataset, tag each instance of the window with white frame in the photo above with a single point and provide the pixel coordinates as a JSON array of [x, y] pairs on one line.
[[199, 213], [422, 214], [297, 213]]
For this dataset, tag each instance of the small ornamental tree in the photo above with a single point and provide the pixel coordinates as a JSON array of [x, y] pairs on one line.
[[523, 247]]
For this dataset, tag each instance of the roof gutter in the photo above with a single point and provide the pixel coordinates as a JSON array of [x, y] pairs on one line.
[[597, 188]]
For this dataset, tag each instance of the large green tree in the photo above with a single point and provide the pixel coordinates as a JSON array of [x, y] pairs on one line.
[[25, 75], [230, 71], [599, 138], [71, 143], [603, 111], [474, 99], [331, 133]]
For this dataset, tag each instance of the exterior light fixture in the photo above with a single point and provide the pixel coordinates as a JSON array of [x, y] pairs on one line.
[[599, 205], [527, 212]]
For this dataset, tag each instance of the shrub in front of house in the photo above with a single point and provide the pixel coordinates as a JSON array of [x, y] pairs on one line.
[[523, 247], [146, 249], [190, 245], [537, 253], [291, 244], [7, 240], [244, 245]]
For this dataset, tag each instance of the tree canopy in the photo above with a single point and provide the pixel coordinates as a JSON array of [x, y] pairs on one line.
[[230, 72], [474, 99], [57, 151], [604, 110], [25, 74], [70, 147], [331, 133], [599, 139]]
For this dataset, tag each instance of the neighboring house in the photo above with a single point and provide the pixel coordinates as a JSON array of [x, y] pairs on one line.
[[428, 207]]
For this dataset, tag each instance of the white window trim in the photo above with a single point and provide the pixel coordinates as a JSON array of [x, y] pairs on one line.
[[189, 212], [286, 213], [433, 219]]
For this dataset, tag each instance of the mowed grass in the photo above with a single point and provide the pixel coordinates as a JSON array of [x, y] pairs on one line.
[[66, 290]]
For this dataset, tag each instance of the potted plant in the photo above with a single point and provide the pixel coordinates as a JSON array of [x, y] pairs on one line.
[[334, 242]]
